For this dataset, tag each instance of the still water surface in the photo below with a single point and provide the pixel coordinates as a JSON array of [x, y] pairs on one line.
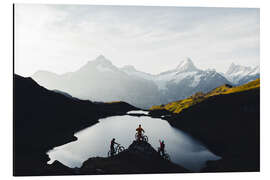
[[95, 141]]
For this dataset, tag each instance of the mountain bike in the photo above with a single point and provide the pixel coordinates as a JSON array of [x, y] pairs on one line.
[[117, 150], [165, 155], [143, 137]]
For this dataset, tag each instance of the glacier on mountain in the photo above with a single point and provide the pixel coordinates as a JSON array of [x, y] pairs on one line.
[[238, 74]]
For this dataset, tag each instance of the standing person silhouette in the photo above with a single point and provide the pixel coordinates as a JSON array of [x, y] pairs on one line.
[[112, 146], [161, 148], [140, 130]]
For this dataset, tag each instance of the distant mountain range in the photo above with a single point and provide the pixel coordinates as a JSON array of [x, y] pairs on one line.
[[100, 80], [239, 75]]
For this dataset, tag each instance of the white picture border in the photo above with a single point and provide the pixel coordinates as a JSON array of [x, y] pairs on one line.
[[6, 96]]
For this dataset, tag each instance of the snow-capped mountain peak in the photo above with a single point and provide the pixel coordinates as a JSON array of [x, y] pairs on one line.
[[186, 65], [101, 63], [237, 68], [129, 68], [100, 80], [239, 74], [256, 70], [131, 71], [102, 60]]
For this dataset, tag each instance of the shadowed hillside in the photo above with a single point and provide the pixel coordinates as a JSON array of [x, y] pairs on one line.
[[140, 157], [227, 120], [44, 119]]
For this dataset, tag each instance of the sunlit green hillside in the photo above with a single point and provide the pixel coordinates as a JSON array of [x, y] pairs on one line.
[[178, 106]]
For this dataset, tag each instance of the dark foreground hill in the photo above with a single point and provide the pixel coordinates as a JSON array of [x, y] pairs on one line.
[[140, 157], [44, 119], [227, 121]]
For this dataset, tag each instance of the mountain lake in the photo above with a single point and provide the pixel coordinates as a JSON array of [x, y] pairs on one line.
[[94, 141]]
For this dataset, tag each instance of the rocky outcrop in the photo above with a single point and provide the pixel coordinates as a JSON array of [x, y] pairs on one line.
[[140, 157]]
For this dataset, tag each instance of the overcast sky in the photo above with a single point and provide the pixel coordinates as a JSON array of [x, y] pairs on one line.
[[62, 38]]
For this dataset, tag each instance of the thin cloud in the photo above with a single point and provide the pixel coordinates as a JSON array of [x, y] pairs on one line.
[[61, 38]]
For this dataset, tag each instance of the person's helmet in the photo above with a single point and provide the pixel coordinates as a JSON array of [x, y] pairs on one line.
[[113, 139], [139, 125]]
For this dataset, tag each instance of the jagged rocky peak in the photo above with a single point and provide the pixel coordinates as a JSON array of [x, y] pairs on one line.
[[102, 60], [128, 68], [231, 68], [236, 68], [101, 57], [101, 63], [186, 65], [211, 69], [256, 69]]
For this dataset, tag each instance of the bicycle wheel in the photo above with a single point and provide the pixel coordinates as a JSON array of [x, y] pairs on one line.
[[136, 136], [145, 138], [120, 149], [167, 157]]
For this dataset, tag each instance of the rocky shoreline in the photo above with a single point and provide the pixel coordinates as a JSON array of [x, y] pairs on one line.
[[138, 158]]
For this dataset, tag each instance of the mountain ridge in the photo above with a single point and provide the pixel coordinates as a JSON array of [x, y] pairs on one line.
[[100, 80], [239, 74], [186, 65], [198, 97]]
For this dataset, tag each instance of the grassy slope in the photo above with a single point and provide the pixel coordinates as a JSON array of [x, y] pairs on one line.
[[178, 106]]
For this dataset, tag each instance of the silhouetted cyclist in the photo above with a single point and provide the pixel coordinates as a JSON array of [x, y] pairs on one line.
[[112, 146], [140, 130], [161, 148]]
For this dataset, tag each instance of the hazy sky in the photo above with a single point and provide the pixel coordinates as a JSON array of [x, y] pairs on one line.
[[62, 38]]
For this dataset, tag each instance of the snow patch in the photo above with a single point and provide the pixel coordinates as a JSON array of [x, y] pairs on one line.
[[196, 81], [180, 76], [138, 112], [131, 71], [102, 68], [236, 73]]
